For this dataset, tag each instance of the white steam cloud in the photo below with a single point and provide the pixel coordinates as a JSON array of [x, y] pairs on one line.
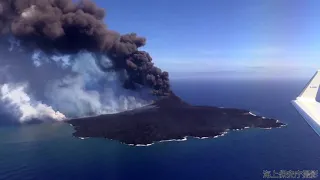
[[91, 91], [16, 98], [63, 85]]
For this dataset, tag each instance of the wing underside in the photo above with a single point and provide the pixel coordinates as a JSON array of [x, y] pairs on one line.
[[310, 112], [307, 105]]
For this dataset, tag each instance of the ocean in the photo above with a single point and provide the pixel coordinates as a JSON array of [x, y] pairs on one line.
[[49, 152]]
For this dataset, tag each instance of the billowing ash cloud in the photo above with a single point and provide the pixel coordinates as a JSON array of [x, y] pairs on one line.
[[67, 27]]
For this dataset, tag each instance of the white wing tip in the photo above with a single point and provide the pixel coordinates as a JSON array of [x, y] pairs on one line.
[[311, 89]]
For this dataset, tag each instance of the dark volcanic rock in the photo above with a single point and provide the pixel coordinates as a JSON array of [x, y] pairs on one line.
[[168, 118]]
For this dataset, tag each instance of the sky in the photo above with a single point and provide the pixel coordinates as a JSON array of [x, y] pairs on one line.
[[223, 35]]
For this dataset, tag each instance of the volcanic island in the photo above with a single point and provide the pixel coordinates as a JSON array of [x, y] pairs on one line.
[[168, 118], [68, 27]]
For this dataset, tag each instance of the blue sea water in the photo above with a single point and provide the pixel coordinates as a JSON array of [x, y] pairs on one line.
[[49, 152]]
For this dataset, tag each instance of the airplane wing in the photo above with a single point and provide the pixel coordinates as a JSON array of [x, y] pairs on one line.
[[307, 105]]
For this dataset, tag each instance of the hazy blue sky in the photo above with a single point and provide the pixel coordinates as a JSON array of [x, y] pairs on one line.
[[213, 35]]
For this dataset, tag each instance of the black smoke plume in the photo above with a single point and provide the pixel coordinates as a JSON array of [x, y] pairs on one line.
[[66, 26]]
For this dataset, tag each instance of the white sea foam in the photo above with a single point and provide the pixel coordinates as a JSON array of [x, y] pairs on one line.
[[162, 141], [247, 127], [266, 128], [184, 139], [82, 138], [179, 140], [201, 137], [141, 145], [223, 134]]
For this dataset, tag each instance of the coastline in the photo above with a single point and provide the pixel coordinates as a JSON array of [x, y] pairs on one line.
[[186, 137], [169, 119]]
